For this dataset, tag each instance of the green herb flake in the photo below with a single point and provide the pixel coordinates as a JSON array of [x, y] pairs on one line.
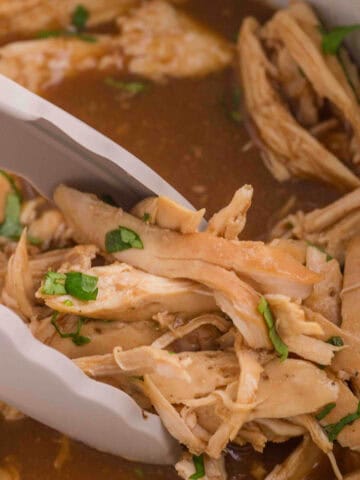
[[321, 249], [279, 345], [139, 472], [199, 467], [332, 430], [234, 112], [76, 338], [106, 198], [54, 284], [146, 217], [11, 226], [122, 239], [325, 411], [68, 303], [34, 240], [82, 286], [85, 37], [332, 39], [134, 87], [76, 284], [336, 341], [50, 34], [12, 182], [80, 17]]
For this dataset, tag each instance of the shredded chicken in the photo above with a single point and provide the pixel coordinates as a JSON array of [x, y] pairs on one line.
[[161, 41], [27, 17], [128, 294], [18, 291], [38, 64], [230, 221], [181, 326], [330, 228], [298, 28], [350, 293], [286, 75], [214, 469], [155, 41], [325, 297], [10, 413], [288, 148], [166, 213], [299, 464], [264, 265]]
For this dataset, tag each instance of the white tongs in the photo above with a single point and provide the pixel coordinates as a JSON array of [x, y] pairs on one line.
[[48, 146]]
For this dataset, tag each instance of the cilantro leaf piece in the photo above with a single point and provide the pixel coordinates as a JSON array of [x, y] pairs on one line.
[[80, 17], [76, 284], [12, 182], [76, 338], [332, 39], [50, 34], [146, 217], [332, 430], [54, 284], [133, 87], [11, 226], [325, 411], [199, 467], [82, 286], [279, 345], [321, 249], [336, 341], [122, 239]]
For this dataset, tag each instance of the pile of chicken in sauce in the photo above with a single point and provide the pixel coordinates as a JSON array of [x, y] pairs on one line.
[[232, 343]]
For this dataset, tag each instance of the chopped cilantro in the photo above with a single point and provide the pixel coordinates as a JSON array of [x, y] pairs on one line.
[[50, 33], [64, 33], [146, 217], [82, 286], [332, 39], [279, 345], [130, 87], [12, 182], [199, 467], [321, 249], [11, 226], [139, 472], [79, 17], [332, 430], [336, 341], [234, 109], [76, 284], [34, 240], [77, 339], [54, 284], [325, 411], [78, 23], [122, 239]]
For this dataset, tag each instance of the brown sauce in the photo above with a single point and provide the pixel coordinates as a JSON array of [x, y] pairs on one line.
[[181, 129]]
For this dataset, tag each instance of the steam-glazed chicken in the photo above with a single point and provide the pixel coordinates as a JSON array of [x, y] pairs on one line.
[[302, 100], [227, 340], [154, 41]]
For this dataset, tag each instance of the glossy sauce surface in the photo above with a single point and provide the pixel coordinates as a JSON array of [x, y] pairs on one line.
[[183, 130]]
